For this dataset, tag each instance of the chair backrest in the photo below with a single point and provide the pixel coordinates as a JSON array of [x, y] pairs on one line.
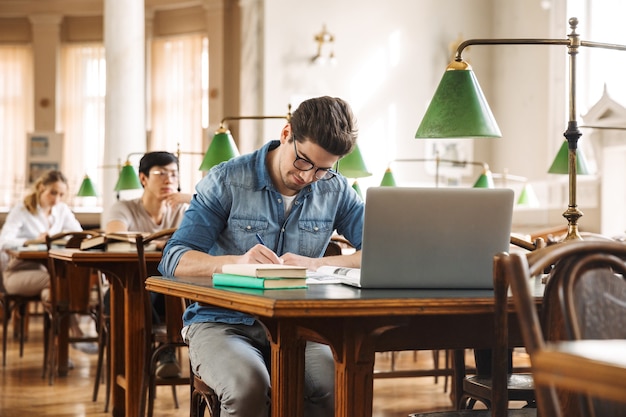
[[585, 287], [174, 306]]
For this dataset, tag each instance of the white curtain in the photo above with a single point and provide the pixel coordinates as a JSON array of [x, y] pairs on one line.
[[16, 119], [81, 113], [178, 101]]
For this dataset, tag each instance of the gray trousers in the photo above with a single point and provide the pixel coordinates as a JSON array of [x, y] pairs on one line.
[[234, 361]]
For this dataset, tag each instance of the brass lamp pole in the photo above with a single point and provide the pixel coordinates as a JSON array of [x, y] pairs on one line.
[[434, 126]]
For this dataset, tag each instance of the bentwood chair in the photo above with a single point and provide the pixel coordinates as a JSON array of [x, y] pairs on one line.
[[520, 387], [161, 332], [483, 387], [74, 292], [585, 298]]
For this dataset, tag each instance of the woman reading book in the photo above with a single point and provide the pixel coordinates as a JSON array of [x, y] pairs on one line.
[[288, 193], [160, 207], [41, 213]]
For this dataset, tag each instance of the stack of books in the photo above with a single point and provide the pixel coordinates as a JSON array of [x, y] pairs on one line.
[[261, 276]]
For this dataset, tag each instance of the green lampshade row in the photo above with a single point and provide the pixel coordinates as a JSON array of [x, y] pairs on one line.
[[357, 188], [86, 188], [222, 149], [458, 110], [560, 165], [528, 197], [128, 179], [388, 179], [353, 165], [485, 180]]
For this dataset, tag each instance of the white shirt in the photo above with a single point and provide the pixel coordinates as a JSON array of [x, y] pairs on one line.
[[20, 225]]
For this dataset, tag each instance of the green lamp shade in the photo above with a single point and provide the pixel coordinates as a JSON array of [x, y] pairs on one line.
[[528, 197], [485, 180], [353, 165], [222, 148], [560, 165], [128, 179], [458, 108], [355, 186], [388, 179], [86, 188]]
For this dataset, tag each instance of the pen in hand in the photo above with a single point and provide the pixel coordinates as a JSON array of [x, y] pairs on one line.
[[260, 240]]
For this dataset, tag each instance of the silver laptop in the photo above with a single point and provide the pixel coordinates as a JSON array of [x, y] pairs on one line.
[[434, 237]]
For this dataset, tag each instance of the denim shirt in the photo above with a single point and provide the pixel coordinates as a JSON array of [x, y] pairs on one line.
[[236, 200]]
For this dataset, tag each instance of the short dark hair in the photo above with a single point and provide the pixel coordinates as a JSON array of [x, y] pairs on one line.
[[158, 158], [326, 121]]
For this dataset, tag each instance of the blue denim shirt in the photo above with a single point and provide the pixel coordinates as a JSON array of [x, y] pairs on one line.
[[237, 199]]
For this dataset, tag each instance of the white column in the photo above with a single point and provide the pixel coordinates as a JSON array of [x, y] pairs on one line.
[[125, 114], [46, 52], [215, 15]]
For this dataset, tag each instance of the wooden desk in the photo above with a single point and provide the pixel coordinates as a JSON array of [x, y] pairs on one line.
[[127, 320], [600, 363], [355, 324]]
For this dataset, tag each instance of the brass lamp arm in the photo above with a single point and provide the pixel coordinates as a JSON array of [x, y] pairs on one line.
[[227, 118]]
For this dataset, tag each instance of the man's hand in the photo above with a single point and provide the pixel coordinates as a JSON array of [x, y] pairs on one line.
[[176, 199], [259, 254]]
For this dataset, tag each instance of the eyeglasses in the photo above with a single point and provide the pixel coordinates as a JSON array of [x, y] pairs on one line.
[[163, 174], [306, 165]]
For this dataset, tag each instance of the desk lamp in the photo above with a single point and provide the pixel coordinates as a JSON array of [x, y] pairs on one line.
[[353, 166], [87, 188], [459, 108]]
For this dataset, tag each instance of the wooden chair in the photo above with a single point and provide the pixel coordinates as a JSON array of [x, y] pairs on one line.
[[584, 298], [159, 336], [16, 306], [520, 386], [71, 294], [483, 387], [202, 398]]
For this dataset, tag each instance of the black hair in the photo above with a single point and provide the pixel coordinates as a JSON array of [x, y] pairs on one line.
[[159, 158]]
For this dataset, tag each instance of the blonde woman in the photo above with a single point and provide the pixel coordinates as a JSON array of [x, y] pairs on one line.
[[41, 213]]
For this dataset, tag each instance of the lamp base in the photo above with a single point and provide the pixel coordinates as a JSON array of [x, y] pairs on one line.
[[572, 214]]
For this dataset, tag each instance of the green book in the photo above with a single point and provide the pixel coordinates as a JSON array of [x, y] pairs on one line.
[[231, 280]]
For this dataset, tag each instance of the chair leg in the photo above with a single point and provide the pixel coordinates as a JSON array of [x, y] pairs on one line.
[[5, 325], [102, 339], [23, 313], [46, 344], [436, 363], [107, 395]]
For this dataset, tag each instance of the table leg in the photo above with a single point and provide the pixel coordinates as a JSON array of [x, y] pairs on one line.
[[134, 329], [287, 370], [63, 347], [354, 387]]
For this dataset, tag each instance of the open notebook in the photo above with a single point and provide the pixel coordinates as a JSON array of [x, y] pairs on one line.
[[433, 237]]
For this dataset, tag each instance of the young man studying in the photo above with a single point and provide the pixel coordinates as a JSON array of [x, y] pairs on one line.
[[288, 193]]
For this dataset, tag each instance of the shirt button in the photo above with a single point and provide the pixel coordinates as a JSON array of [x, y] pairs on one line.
[[279, 201], [248, 227], [316, 228]]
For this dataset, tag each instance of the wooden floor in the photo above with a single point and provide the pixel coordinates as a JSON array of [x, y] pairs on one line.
[[23, 392]]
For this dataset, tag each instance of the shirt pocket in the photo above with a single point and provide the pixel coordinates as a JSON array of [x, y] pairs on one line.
[[244, 233], [314, 235]]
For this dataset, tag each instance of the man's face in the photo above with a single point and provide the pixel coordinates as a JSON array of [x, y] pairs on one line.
[[161, 181], [305, 155]]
